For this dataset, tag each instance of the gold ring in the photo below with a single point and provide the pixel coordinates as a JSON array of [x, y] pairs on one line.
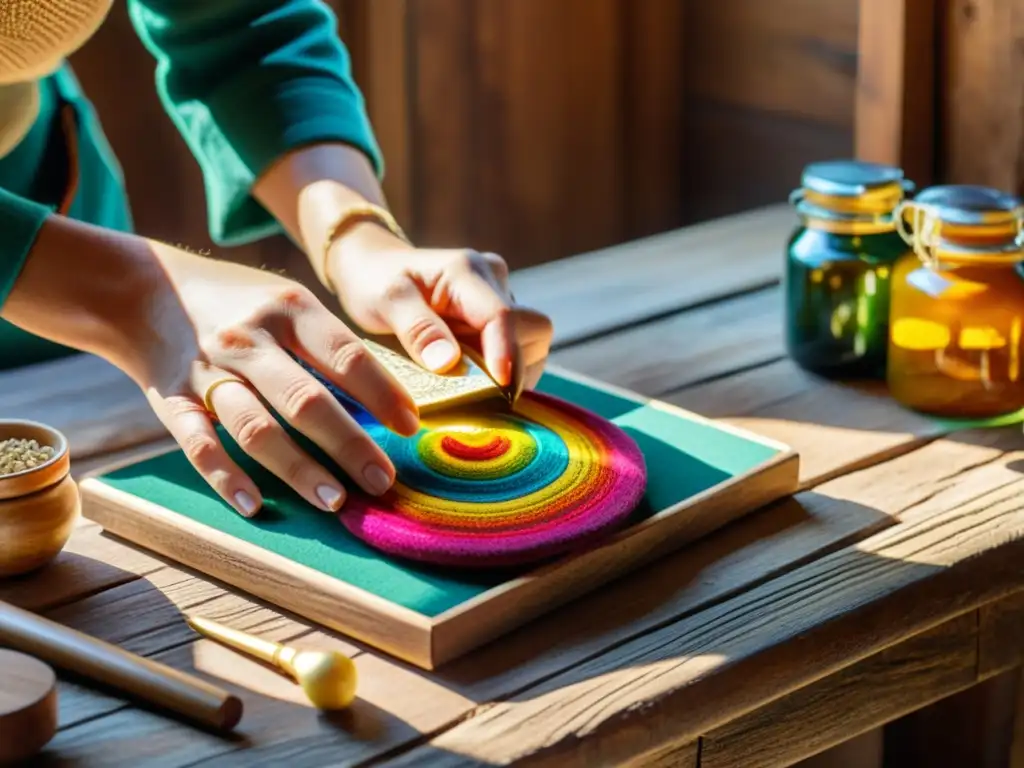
[[208, 395]]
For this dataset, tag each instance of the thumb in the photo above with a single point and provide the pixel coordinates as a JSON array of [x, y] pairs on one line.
[[423, 334]]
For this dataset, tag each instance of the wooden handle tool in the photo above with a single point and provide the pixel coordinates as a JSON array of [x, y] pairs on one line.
[[328, 678], [101, 662]]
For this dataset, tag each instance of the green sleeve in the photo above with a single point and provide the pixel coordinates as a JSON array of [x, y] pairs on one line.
[[20, 222], [246, 81]]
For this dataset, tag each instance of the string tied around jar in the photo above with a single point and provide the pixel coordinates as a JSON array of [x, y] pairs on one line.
[[951, 228]]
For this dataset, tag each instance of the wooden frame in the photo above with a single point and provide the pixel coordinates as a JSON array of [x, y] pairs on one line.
[[413, 637], [895, 111]]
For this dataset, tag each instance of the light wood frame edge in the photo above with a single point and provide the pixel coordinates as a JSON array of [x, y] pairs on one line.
[[512, 604], [429, 642], [264, 574]]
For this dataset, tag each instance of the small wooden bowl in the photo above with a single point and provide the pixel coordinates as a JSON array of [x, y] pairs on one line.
[[39, 506], [28, 707]]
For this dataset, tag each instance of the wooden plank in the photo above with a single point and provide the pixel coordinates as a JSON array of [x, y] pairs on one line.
[[954, 550], [384, 31], [594, 293], [895, 107], [768, 543], [835, 427], [442, 67], [983, 107], [706, 343], [973, 727], [864, 751], [277, 722], [799, 57], [91, 562], [683, 756], [97, 407], [861, 697], [1017, 745], [1001, 643], [500, 92], [764, 545], [654, 115], [738, 158]]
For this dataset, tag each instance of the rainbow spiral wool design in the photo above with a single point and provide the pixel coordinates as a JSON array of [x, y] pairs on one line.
[[480, 487]]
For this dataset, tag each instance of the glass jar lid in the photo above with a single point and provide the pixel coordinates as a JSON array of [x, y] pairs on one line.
[[850, 178], [970, 205], [963, 222], [850, 196]]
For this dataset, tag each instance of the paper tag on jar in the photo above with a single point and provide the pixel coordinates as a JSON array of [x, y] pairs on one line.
[[929, 282]]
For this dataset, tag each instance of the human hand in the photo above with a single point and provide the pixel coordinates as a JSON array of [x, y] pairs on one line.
[[428, 298], [213, 330]]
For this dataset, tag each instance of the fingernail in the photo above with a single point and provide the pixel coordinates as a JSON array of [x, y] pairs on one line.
[[330, 496], [246, 502], [438, 355], [377, 479]]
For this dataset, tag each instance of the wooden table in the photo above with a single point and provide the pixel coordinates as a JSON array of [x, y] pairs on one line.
[[892, 580]]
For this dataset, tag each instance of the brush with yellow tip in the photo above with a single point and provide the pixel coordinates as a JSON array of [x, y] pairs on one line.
[[328, 678]]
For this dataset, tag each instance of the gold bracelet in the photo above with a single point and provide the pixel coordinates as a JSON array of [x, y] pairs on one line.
[[349, 217]]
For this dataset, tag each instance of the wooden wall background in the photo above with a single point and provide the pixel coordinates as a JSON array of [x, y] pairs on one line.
[[541, 128], [544, 128]]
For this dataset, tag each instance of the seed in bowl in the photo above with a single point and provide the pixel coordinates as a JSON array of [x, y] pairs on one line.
[[17, 455]]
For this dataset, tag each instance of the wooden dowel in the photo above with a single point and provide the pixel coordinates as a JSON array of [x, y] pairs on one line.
[[96, 660]]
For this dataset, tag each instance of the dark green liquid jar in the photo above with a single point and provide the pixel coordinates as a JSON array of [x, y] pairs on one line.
[[839, 263]]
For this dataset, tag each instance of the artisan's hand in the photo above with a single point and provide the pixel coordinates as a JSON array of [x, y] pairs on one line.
[[214, 320], [427, 297], [179, 323]]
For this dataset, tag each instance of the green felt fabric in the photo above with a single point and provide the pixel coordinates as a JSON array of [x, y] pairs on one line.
[[684, 457]]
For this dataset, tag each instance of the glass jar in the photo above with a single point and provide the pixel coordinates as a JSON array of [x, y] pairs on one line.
[[838, 267], [957, 304]]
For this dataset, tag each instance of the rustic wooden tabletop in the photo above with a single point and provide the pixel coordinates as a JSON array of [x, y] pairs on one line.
[[891, 580]]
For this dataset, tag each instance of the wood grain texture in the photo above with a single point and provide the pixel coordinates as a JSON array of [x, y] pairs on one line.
[[1016, 759], [514, 104], [814, 415], [738, 157], [150, 622], [729, 563], [954, 549], [983, 108], [682, 756], [90, 563], [654, 115], [97, 407], [895, 120], [794, 57], [593, 294], [377, 36], [972, 727], [704, 344], [865, 695], [1001, 639], [769, 89]]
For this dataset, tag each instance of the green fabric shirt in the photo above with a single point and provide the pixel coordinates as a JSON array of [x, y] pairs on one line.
[[244, 82]]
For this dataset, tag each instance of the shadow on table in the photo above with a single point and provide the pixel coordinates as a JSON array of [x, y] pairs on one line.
[[739, 653], [738, 618], [142, 609]]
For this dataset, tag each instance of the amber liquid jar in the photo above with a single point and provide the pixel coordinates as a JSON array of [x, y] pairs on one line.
[[957, 305], [839, 264]]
